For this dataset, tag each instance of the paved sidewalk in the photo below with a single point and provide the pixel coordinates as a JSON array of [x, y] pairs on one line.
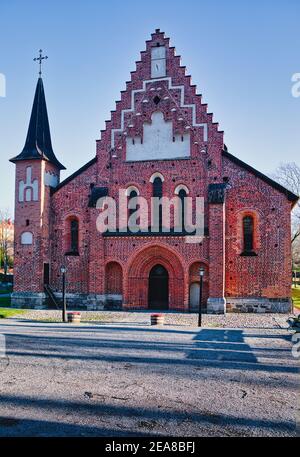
[[130, 379], [230, 320]]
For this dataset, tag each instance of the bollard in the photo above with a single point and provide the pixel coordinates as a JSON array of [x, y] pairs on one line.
[[157, 319], [74, 317]]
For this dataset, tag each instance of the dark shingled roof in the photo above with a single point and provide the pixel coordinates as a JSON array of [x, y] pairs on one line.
[[289, 195], [38, 142]]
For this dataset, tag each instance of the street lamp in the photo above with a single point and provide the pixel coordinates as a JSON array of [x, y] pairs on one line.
[[63, 271], [201, 273]]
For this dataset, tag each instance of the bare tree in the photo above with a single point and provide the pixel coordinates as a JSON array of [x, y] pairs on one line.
[[288, 174], [6, 239]]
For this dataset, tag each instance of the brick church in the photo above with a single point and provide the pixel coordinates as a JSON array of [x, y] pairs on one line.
[[159, 141]]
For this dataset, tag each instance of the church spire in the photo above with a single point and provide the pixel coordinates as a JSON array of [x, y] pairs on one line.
[[38, 142]]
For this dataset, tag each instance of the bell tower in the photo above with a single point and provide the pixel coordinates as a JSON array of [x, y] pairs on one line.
[[37, 171]]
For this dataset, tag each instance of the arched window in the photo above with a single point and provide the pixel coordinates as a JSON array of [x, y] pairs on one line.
[[157, 192], [182, 195], [157, 187], [248, 233], [133, 194], [74, 235]]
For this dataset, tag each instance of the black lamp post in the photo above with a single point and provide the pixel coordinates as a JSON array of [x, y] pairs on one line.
[[63, 271], [201, 273]]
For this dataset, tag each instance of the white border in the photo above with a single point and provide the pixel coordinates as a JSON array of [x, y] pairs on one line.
[[182, 105]]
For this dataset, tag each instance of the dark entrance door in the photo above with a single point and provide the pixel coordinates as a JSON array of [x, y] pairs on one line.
[[46, 274], [158, 291]]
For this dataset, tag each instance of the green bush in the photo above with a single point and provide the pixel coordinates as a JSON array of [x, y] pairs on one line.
[[5, 301]]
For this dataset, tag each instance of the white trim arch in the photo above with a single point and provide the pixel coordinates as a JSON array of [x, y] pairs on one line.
[[131, 189], [181, 187], [156, 175]]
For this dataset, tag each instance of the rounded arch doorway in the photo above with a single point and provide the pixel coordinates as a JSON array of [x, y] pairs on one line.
[[158, 288]]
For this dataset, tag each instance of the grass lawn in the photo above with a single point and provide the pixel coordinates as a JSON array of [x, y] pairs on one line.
[[9, 312], [6, 310], [296, 296]]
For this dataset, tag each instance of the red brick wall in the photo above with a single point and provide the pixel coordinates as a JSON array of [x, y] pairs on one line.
[[29, 259], [269, 273], [87, 273], [72, 200]]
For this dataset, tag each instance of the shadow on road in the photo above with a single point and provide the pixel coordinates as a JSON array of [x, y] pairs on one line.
[[141, 415]]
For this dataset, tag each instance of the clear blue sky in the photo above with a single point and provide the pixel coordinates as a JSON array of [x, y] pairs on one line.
[[241, 54]]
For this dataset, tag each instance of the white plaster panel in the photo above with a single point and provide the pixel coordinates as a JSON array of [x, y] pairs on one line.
[[26, 238], [158, 142], [158, 62], [159, 52], [28, 192], [35, 190], [28, 175], [21, 191], [158, 68], [30, 189]]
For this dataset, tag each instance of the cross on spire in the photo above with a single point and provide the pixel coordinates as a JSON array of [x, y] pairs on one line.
[[40, 59]]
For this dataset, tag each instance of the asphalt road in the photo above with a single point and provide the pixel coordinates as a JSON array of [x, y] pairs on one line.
[[136, 380]]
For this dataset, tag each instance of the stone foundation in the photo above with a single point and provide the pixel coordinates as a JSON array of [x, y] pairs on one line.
[[89, 302], [100, 302], [216, 306], [259, 305], [31, 300], [104, 302]]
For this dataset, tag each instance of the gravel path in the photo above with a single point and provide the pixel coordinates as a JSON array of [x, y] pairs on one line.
[[230, 320]]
